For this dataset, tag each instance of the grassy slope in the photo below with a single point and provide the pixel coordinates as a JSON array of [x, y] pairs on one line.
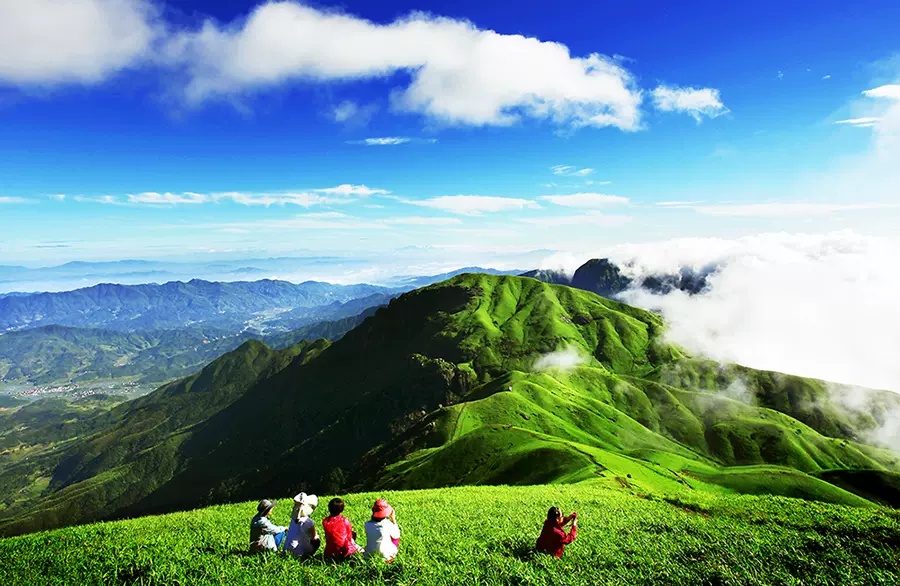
[[485, 535], [418, 396]]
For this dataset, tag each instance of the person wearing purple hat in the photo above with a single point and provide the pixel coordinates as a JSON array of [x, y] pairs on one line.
[[382, 532]]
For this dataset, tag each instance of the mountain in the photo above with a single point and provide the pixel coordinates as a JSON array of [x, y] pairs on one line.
[[548, 276], [413, 282], [58, 354], [476, 380], [172, 305], [602, 276]]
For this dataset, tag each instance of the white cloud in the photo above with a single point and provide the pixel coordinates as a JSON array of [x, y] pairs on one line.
[[167, 198], [891, 91], [57, 196], [459, 74], [564, 360], [49, 42], [585, 200], [345, 111], [571, 171], [352, 114], [591, 218], [865, 122], [677, 204], [104, 199], [473, 205], [696, 102], [384, 141], [423, 221], [823, 306], [788, 209], [347, 190], [12, 199], [301, 199], [826, 77]]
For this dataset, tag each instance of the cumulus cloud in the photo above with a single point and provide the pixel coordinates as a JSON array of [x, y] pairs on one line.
[[822, 306], [459, 74], [473, 205], [585, 200], [48, 42], [571, 171], [564, 360], [693, 101]]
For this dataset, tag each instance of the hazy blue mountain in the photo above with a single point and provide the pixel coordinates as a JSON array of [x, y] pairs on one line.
[[173, 305]]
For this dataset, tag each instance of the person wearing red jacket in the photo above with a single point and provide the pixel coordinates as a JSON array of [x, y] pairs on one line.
[[553, 536], [339, 534]]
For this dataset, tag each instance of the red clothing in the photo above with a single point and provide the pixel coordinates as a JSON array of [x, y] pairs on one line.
[[553, 538], [338, 537]]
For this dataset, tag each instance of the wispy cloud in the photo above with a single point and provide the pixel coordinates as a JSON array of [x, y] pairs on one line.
[[826, 77], [347, 189], [341, 194], [151, 197], [473, 205], [585, 200], [12, 199], [865, 122], [571, 171], [788, 209], [57, 196], [352, 114], [891, 91], [392, 141], [677, 203], [697, 102], [422, 221], [591, 218]]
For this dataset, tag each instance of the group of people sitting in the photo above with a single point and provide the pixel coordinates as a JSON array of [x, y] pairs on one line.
[[301, 539]]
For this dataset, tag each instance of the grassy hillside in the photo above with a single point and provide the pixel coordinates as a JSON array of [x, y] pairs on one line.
[[441, 388], [485, 535]]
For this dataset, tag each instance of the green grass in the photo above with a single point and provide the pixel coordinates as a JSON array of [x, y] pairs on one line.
[[485, 535]]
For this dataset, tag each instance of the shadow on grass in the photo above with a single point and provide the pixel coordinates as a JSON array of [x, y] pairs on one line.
[[520, 549]]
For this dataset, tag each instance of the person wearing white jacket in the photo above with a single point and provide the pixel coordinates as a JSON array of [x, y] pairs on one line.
[[382, 532]]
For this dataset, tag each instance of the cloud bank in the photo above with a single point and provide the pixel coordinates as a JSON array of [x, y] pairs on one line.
[[823, 306]]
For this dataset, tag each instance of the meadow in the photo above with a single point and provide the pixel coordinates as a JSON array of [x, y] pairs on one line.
[[485, 535]]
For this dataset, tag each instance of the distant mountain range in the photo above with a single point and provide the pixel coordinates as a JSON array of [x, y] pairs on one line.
[[176, 304], [479, 379]]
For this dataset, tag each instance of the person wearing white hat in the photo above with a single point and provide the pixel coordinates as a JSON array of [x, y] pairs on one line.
[[302, 537]]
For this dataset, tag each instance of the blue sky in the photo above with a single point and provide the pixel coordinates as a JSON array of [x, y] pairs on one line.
[[138, 129]]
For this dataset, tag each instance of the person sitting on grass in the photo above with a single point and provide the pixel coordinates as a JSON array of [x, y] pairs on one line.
[[553, 537], [302, 538], [382, 532], [339, 534], [265, 535]]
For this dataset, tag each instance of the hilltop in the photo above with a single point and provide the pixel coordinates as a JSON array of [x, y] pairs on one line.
[[485, 535], [441, 388]]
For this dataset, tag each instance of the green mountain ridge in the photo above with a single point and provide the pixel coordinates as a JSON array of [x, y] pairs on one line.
[[439, 388]]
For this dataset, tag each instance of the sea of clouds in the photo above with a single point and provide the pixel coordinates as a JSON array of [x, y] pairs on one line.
[[823, 306]]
